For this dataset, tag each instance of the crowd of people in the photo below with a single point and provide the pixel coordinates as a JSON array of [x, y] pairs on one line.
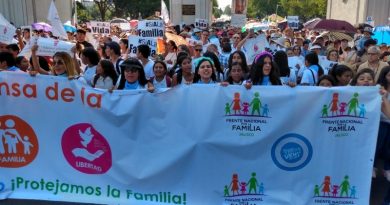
[[218, 56]]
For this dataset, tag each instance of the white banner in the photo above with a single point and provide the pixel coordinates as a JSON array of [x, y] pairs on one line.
[[198, 144], [100, 27], [254, 46], [7, 31], [151, 28], [201, 23], [135, 41], [49, 46], [238, 20]]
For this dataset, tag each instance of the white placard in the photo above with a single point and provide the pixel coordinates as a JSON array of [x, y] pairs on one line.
[[49, 46], [201, 23], [100, 27], [135, 41], [151, 28]]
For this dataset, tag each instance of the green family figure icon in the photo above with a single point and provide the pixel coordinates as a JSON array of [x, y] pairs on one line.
[[237, 188], [344, 190], [236, 108], [337, 109]]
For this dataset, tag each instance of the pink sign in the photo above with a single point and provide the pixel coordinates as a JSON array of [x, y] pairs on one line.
[[86, 149]]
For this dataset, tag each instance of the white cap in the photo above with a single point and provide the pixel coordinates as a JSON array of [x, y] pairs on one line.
[[315, 47]]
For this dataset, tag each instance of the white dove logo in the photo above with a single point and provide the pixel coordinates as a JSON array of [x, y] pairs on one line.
[[86, 138]]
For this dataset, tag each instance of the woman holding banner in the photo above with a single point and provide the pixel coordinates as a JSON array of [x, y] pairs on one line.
[[63, 65], [264, 71], [133, 76]]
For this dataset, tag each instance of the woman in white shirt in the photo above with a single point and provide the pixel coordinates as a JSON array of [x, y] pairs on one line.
[[171, 55], [106, 76]]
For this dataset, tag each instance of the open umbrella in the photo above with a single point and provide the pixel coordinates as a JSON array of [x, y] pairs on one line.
[[332, 25], [69, 28], [338, 36], [119, 20], [41, 26], [382, 34], [311, 21]]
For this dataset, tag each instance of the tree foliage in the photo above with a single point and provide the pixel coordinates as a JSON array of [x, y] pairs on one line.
[[227, 10], [305, 9]]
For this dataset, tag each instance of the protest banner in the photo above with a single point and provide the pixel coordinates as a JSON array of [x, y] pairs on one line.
[[238, 20], [49, 46], [100, 27], [293, 22], [224, 137], [201, 24], [135, 41], [122, 26], [151, 28], [254, 46]]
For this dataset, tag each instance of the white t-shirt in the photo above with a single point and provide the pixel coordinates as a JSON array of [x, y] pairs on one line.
[[148, 68], [89, 73], [307, 77], [104, 83]]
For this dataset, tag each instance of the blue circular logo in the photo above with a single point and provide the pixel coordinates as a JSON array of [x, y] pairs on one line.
[[291, 152], [2, 186]]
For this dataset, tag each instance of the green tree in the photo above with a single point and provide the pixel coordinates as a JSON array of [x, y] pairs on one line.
[[132, 8], [305, 9], [227, 10], [104, 7], [263, 8]]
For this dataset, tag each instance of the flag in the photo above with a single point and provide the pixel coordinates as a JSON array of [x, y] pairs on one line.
[[55, 21], [164, 12]]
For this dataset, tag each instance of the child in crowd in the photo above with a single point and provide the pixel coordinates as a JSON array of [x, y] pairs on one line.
[[235, 75], [264, 71], [105, 77], [326, 81], [342, 74], [204, 71], [364, 77], [184, 75], [161, 79]]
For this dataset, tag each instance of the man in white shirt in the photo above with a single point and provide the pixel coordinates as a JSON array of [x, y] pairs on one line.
[[143, 53]]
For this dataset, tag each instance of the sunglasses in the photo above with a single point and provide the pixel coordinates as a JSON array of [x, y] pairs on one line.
[[199, 50], [58, 62]]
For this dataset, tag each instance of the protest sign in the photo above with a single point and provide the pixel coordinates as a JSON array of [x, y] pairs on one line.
[[7, 31], [49, 46], [254, 46], [7, 34], [100, 27], [122, 147], [238, 20], [201, 23], [122, 26], [293, 22], [151, 28], [135, 41]]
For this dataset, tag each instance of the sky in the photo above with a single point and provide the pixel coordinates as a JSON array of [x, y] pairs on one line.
[[223, 3]]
